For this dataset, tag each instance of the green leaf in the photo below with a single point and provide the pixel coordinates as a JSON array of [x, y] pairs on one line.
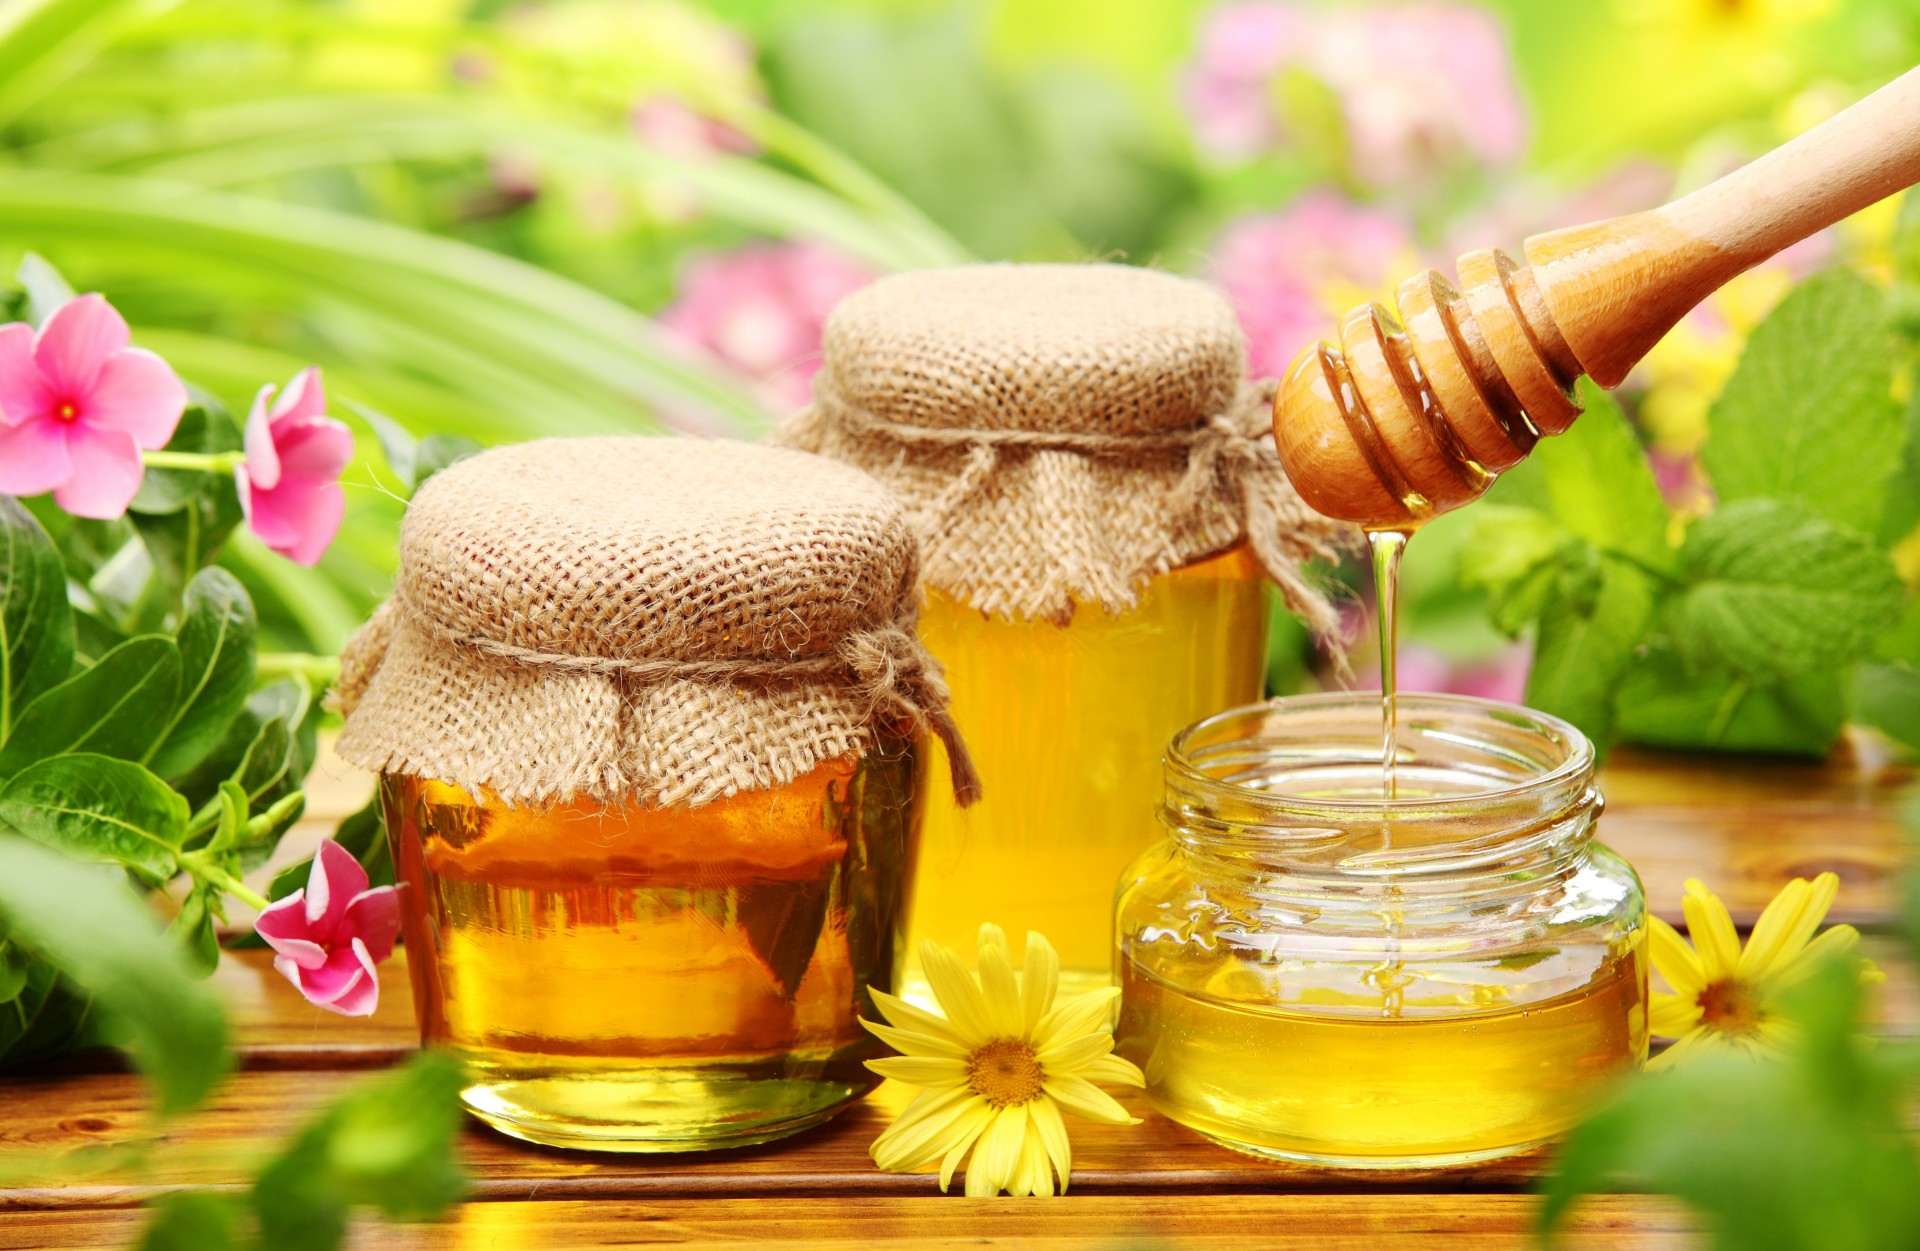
[[190, 1220], [100, 934], [45, 287], [98, 808], [1808, 415], [36, 628], [1887, 697], [1585, 643], [1901, 515], [1775, 592], [15, 963], [363, 833], [1599, 487], [192, 929], [437, 451], [49, 1017], [217, 656], [396, 443], [116, 708], [1514, 554], [204, 428], [290, 700], [387, 1144], [1663, 704]]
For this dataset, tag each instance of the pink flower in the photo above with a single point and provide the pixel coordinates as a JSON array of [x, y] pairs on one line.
[[1420, 87], [1501, 676], [290, 483], [762, 308], [331, 934], [77, 405], [1291, 275]]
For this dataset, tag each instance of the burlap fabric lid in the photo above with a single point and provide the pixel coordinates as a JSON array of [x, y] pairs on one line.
[[1061, 433], [661, 621]]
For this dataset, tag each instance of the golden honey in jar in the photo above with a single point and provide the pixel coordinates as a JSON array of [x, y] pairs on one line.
[[1314, 973], [648, 715], [1100, 506]]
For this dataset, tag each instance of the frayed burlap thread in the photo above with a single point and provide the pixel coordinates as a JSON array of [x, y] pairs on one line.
[[631, 620], [1061, 434]]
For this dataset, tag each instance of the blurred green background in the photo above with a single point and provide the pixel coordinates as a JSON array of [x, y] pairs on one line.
[[505, 220]]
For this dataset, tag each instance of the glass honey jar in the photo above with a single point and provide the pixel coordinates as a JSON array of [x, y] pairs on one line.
[[649, 715], [1101, 509], [1313, 973]]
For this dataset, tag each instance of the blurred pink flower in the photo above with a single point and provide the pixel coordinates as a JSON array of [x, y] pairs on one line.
[[77, 405], [761, 309], [1421, 87], [1290, 275], [290, 482], [330, 935], [1501, 676], [664, 122]]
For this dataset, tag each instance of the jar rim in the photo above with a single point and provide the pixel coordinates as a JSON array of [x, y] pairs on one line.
[[1577, 761]]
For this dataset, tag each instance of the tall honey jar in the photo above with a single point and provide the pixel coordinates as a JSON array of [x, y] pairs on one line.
[[1313, 972], [649, 718], [1101, 509]]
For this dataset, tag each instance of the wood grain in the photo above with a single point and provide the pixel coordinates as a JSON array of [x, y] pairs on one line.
[[1371, 1222]]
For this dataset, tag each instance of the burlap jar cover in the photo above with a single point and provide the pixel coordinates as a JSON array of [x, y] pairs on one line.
[[654, 621], [1062, 433]]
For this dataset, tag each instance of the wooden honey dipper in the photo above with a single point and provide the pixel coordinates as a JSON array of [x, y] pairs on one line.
[[1412, 417]]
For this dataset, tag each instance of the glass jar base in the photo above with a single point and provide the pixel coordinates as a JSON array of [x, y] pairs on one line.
[[1377, 1163], [656, 1112]]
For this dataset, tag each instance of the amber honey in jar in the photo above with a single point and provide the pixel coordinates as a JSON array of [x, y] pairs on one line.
[[1101, 511], [1314, 973], [648, 717]]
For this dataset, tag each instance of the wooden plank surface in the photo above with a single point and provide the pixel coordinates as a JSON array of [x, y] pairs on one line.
[[1743, 826]]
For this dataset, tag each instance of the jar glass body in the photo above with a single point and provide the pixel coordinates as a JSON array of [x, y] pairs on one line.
[[670, 979], [1061, 722], [1311, 973]]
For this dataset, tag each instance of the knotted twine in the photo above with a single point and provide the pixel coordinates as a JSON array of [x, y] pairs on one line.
[[1061, 434], [646, 620]]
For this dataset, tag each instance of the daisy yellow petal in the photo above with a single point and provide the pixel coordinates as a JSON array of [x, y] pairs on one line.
[[1674, 957], [1111, 1068], [916, 1137], [958, 994], [1039, 982], [1070, 1055], [907, 1042], [1035, 1170], [1676, 1054], [967, 1131], [1052, 1132], [1000, 989], [1083, 1014], [1714, 938], [1082, 1098], [1836, 940], [1786, 925], [921, 1070], [1670, 1016], [906, 1016], [996, 1153]]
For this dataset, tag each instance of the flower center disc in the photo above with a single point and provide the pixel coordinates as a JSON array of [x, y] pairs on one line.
[[1730, 1007], [1005, 1072]]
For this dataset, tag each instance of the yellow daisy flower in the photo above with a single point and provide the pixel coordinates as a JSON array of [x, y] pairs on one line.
[[1723, 997], [996, 1070]]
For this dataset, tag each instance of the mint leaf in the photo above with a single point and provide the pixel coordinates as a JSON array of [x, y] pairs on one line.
[[1662, 704], [116, 708], [216, 640], [1586, 642], [1887, 697], [1514, 554], [99, 934], [36, 627], [1808, 414], [1775, 592], [98, 808], [1599, 487]]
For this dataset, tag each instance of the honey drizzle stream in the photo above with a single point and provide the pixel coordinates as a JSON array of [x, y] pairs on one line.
[[1389, 976]]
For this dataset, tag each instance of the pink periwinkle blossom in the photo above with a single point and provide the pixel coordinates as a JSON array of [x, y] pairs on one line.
[[1291, 275], [77, 405], [762, 309], [1420, 87], [290, 482], [330, 936]]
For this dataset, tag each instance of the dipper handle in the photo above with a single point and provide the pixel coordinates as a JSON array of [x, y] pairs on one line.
[[1415, 416]]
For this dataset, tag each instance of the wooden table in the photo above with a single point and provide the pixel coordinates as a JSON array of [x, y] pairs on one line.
[[1744, 826]]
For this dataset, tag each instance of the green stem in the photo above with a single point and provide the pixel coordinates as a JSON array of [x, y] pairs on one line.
[[207, 871], [319, 670], [205, 462]]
